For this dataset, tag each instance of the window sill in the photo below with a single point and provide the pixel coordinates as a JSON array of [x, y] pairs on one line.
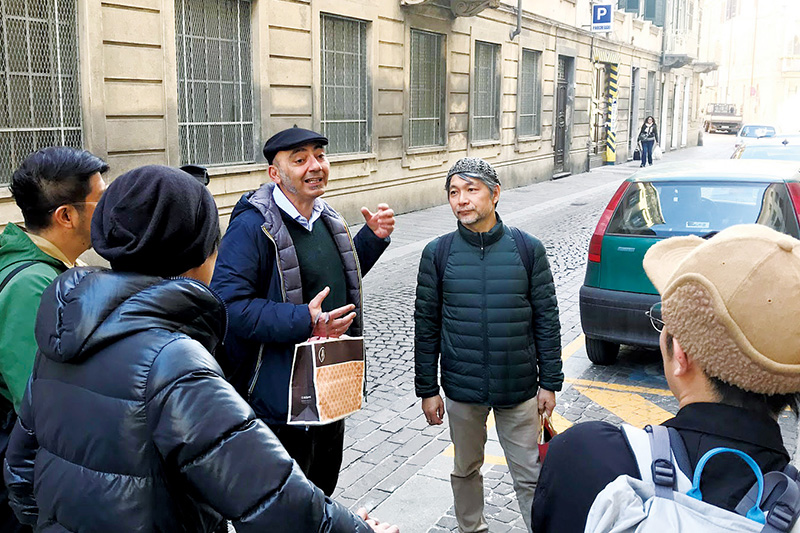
[[348, 158], [5, 192], [490, 142], [419, 150], [225, 170], [529, 138]]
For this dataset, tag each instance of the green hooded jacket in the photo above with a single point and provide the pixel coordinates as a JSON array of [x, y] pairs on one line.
[[19, 302]]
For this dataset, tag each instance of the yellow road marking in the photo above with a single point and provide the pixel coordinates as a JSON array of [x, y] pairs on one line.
[[617, 387], [630, 407], [560, 423], [573, 347]]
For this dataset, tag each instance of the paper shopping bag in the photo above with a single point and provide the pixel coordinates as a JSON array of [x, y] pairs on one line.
[[546, 433], [327, 381]]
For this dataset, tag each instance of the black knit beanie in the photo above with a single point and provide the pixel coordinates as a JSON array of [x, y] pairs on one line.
[[155, 220]]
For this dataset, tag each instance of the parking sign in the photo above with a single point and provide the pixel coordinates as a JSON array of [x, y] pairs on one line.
[[602, 16]]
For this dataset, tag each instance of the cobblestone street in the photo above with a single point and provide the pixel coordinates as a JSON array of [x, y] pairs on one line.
[[396, 465]]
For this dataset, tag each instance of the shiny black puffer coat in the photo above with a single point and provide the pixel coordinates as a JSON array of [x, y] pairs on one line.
[[127, 424]]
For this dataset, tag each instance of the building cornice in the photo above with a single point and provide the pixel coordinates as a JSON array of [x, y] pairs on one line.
[[459, 8]]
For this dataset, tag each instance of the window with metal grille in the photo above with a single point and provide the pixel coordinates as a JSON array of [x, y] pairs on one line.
[[427, 118], [39, 89], [530, 94], [215, 95], [346, 93], [486, 93]]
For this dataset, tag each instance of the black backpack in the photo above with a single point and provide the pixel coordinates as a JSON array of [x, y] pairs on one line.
[[443, 250]]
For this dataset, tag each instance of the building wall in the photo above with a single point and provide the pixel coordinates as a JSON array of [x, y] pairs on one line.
[[130, 97], [759, 63]]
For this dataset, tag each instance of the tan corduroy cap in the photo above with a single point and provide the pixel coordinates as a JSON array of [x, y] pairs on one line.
[[733, 303]]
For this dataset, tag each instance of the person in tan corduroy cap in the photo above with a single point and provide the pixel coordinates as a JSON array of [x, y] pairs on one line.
[[730, 343]]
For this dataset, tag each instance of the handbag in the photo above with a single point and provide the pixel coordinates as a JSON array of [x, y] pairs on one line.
[[637, 154], [546, 434], [657, 153], [327, 380]]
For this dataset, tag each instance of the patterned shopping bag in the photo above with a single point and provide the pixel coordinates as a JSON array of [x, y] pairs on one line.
[[327, 381]]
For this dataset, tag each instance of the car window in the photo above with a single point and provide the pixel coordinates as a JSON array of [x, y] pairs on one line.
[[757, 131], [776, 153], [667, 209]]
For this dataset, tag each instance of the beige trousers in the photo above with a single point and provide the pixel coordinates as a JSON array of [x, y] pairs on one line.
[[517, 429]]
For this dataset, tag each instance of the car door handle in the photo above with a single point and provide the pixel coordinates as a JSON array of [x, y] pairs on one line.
[[625, 249]]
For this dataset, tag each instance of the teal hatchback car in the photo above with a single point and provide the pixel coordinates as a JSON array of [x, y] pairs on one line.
[[675, 199]]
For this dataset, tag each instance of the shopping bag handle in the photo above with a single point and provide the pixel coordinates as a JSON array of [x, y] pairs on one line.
[[755, 513]]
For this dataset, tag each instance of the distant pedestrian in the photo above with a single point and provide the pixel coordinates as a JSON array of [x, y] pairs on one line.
[[128, 424], [56, 189], [486, 309], [731, 357], [288, 270], [648, 137]]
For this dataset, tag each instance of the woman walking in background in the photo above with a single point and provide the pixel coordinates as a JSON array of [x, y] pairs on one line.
[[648, 137]]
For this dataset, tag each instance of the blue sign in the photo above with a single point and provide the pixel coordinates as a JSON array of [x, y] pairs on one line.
[[602, 17]]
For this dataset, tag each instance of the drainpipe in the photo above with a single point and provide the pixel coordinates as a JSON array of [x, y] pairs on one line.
[[516, 31]]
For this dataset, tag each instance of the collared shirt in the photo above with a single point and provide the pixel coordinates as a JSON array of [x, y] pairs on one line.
[[288, 207], [51, 249]]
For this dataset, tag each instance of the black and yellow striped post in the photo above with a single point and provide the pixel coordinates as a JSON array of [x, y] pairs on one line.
[[611, 120]]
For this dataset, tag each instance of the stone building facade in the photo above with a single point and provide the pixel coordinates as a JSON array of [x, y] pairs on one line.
[[403, 88]]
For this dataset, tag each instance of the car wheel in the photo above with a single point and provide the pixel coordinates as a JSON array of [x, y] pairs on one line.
[[601, 352]]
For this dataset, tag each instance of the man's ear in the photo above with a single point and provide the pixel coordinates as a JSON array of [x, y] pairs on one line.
[[65, 216], [496, 194], [683, 363], [273, 173]]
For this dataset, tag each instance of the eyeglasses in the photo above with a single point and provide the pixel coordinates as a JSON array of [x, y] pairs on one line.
[[53, 209], [654, 314]]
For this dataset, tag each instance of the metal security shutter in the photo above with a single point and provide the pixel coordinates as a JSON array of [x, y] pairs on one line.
[[427, 89], [39, 88], [486, 93], [215, 95], [346, 93], [529, 95]]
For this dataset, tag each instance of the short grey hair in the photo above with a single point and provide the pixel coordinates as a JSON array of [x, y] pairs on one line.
[[473, 168]]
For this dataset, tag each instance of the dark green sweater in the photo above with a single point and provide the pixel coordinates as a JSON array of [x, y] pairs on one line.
[[319, 261]]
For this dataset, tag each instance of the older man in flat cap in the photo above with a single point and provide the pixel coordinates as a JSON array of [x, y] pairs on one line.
[[486, 306], [731, 352], [289, 270]]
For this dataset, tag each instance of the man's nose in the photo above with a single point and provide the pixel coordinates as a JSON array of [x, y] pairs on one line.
[[315, 165], [462, 198]]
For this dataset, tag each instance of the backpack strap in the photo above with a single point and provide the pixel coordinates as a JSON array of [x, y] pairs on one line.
[[679, 452], [440, 260], [525, 251], [662, 469], [639, 441], [16, 271], [781, 501]]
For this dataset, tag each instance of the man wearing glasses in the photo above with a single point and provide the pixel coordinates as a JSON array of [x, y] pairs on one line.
[[57, 190], [731, 358]]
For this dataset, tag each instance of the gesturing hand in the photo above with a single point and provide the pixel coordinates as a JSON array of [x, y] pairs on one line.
[[329, 324], [378, 527], [382, 222]]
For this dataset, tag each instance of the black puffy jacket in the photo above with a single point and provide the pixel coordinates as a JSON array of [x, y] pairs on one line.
[[128, 425], [497, 331]]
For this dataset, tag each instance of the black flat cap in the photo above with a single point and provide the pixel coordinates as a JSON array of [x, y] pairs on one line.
[[291, 138]]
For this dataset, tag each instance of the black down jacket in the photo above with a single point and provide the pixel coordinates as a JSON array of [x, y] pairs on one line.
[[497, 331], [127, 424]]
